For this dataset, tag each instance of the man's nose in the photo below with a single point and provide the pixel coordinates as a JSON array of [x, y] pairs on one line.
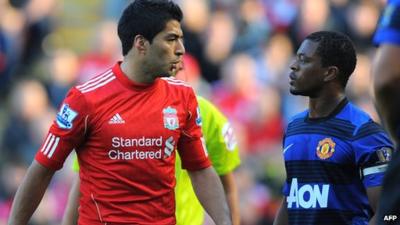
[[180, 49], [293, 65]]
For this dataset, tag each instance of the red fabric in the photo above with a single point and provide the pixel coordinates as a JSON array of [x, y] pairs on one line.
[[122, 134]]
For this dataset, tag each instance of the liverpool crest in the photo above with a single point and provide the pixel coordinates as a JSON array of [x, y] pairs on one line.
[[171, 120]]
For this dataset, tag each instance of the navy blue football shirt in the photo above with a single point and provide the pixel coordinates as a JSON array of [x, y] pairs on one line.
[[329, 164]]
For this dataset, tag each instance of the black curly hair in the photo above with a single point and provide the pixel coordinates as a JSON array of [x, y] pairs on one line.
[[336, 49], [147, 18]]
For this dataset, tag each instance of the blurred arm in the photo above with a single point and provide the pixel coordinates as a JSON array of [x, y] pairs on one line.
[[71, 211], [373, 197], [281, 217], [231, 192], [210, 193], [386, 78], [30, 193]]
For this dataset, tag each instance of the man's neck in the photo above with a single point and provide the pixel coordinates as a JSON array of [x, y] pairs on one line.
[[132, 69], [324, 105]]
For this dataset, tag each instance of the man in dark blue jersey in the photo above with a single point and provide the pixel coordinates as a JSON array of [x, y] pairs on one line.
[[386, 75], [335, 154]]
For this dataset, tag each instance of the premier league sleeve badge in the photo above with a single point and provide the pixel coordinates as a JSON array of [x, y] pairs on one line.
[[65, 117]]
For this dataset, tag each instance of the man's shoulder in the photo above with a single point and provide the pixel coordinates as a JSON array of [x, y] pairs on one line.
[[355, 115], [176, 89], [299, 116], [97, 84], [363, 122], [176, 84]]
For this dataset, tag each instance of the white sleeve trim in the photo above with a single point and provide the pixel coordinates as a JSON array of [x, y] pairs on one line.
[[375, 169]]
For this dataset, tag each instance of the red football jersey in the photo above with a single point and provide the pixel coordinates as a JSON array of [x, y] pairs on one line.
[[125, 134]]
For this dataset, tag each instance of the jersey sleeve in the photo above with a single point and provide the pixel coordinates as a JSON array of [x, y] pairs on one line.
[[191, 145], [220, 139], [285, 188], [388, 28], [373, 151], [66, 133]]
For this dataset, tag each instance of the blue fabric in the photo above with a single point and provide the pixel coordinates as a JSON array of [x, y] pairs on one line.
[[324, 159], [388, 29]]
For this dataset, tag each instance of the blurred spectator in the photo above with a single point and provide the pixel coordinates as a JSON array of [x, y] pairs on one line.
[[315, 15], [281, 13], [10, 177], [252, 26], [238, 89], [4, 63], [359, 87], [362, 18], [272, 63], [30, 115], [63, 70], [220, 37], [254, 108], [12, 22], [192, 75], [38, 26], [104, 52], [194, 25], [265, 129]]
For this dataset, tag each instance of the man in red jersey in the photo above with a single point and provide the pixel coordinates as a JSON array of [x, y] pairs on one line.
[[125, 125]]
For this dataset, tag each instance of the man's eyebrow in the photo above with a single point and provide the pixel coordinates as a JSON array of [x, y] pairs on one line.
[[173, 34]]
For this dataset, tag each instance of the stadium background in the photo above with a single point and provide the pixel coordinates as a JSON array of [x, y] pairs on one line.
[[239, 52]]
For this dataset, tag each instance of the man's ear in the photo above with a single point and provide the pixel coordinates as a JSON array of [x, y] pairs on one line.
[[140, 43], [331, 73]]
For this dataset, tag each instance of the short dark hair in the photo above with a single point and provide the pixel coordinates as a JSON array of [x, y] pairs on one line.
[[147, 18], [336, 49]]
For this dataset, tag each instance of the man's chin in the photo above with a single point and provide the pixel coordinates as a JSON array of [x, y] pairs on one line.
[[164, 75], [294, 92], [310, 94], [297, 92]]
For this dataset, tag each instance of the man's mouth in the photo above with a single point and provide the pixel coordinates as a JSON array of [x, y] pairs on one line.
[[292, 78], [176, 67]]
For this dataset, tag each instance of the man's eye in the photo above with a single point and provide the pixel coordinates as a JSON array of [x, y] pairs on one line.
[[302, 58], [172, 38]]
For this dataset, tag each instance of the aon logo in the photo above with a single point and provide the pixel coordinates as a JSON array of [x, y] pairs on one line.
[[307, 196]]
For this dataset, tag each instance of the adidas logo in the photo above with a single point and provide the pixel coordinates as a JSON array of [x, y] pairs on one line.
[[116, 119]]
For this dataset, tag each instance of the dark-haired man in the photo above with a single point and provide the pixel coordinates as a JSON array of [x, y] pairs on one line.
[[125, 125], [335, 154], [386, 79]]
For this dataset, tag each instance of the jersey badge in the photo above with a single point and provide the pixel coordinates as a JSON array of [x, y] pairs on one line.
[[229, 136], [65, 117], [171, 120], [325, 148], [384, 154], [198, 119]]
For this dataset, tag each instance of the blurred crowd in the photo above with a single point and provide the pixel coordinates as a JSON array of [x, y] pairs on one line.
[[237, 56]]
